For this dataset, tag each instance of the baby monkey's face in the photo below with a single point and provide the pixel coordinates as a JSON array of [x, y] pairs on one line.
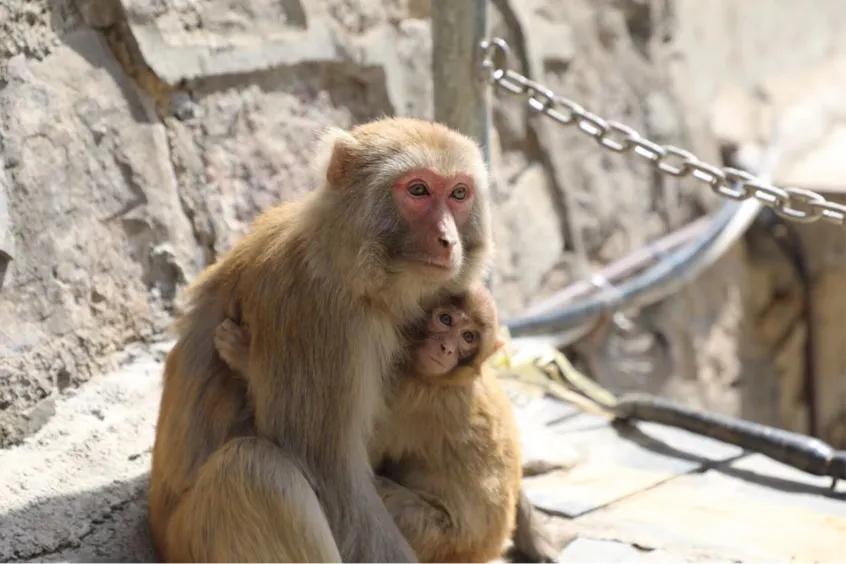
[[452, 337]]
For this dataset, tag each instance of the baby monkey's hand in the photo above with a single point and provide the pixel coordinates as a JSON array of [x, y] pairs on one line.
[[232, 342]]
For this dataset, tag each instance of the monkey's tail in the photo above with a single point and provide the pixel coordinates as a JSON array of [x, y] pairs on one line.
[[531, 538]]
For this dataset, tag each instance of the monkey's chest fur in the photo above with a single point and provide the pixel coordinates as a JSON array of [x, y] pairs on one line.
[[449, 442], [459, 445]]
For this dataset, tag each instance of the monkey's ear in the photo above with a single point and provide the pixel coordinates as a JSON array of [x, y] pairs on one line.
[[335, 155], [500, 342]]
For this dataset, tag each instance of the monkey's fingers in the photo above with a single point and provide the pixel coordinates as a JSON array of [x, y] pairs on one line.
[[231, 343]]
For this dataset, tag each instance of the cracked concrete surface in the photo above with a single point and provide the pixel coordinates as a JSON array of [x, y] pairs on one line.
[[76, 489]]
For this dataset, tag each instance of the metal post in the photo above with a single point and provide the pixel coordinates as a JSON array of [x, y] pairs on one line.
[[462, 98]]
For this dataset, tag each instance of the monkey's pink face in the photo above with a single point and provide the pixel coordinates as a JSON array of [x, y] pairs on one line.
[[435, 208], [451, 338]]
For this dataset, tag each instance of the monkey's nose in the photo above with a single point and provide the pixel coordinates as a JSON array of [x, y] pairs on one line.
[[446, 350], [446, 242]]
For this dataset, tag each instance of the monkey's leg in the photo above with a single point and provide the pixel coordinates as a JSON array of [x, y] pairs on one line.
[[251, 503], [424, 521]]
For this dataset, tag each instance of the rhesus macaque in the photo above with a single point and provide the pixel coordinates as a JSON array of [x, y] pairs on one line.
[[273, 465], [447, 449]]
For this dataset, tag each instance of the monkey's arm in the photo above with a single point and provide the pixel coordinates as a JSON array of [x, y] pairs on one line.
[[313, 405]]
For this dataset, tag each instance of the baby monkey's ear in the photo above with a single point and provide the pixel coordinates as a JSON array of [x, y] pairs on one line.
[[485, 353]]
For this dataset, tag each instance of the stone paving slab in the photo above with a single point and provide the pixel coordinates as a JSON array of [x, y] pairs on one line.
[[618, 461], [647, 492], [586, 551], [579, 422], [720, 516], [683, 444], [812, 492], [543, 451], [541, 410]]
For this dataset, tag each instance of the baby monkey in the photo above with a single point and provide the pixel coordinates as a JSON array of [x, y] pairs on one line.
[[446, 449], [447, 452]]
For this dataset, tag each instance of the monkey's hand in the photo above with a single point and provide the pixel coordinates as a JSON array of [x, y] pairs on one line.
[[233, 345]]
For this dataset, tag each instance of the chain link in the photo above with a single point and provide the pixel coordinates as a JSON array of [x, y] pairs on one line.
[[796, 204]]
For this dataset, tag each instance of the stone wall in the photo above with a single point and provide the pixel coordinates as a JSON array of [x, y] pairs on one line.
[[139, 138]]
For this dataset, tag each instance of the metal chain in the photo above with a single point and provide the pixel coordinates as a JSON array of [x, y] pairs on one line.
[[796, 204]]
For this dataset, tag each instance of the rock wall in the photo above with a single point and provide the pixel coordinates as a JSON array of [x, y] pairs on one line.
[[138, 139]]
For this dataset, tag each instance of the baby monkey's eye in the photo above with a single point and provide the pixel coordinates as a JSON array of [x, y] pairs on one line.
[[446, 319], [469, 337], [418, 189]]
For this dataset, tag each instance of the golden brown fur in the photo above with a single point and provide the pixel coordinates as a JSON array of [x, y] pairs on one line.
[[453, 468], [447, 448], [274, 466], [448, 455]]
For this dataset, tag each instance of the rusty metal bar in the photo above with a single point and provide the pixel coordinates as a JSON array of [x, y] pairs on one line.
[[462, 98]]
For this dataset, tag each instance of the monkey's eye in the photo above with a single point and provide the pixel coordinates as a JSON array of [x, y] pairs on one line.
[[418, 189], [459, 192], [446, 319], [469, 337]]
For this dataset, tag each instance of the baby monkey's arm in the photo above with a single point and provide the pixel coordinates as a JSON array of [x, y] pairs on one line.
[[232, 342]]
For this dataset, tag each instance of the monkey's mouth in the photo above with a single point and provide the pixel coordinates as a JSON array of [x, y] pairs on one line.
[[437, 361], [444, 366], [439, 264]]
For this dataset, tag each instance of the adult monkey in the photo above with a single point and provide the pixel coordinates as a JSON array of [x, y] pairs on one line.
[[275, 468]]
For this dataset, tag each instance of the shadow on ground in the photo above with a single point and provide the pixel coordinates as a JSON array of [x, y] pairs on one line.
[[783, 484], [107, 524]]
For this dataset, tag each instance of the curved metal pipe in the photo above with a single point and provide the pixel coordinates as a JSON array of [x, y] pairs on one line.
[[575, 319], [655, 283]]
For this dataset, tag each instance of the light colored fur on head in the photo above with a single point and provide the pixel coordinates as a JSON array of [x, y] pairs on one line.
[[404, 144], [323, 148]]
